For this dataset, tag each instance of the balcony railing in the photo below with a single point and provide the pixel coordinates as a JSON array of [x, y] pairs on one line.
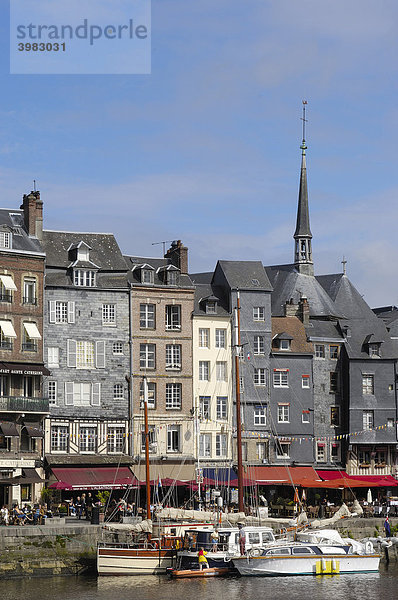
[[29, 347], [5, 345], [4, 297], [21, 404], [30, 300]]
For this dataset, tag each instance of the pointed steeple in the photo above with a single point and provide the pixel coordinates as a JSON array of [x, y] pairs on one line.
[[303, 235]]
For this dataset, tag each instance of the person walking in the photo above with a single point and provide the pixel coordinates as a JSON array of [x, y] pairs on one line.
[[78, 505], [202, 559]]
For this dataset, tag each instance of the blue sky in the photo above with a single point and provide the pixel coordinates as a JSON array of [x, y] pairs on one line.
[[206, 148]]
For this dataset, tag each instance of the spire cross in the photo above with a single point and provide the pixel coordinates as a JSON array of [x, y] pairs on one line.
[[344, 262], [304, 120]]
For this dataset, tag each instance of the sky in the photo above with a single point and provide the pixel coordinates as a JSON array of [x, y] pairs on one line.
[[206, 148]]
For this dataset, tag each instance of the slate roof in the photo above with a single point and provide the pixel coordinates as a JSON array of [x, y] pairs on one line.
[[288, 284], [359, 318], [319, 329], [294, 328], [158, 264], [13, 221], [244, 275], [105, 251], [201, 277], [203, 291]]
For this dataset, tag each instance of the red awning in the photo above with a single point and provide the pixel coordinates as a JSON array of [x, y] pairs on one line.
[[358, 480], [95, 478], [282, 476]]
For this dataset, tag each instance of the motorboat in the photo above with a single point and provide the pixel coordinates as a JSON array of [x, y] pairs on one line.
[[317, 552]]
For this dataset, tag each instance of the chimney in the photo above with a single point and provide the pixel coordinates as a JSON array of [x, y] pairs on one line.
[[304, 311], [291, 309], [32, 207], [178, 256]]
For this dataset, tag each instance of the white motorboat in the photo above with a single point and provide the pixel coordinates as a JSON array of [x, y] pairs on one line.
[[312, 553]]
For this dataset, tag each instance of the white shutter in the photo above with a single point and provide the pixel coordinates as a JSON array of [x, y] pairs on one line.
[[96, 394], [71, 351], [68, 393], [71, 312], [100, 354], [52, 304]]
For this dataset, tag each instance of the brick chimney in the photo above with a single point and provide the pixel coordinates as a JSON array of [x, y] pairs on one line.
[[32, 207], [304, 310], [178, 256]]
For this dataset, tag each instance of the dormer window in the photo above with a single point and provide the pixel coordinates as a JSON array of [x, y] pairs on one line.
[[169, 275], [172, 277], [147, 276], [84, 278], [282, 341], [374, 350], [5, 239], [211, 307], [284, 344]]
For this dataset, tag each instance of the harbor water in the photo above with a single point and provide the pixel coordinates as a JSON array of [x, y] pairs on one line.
[[369, 586]]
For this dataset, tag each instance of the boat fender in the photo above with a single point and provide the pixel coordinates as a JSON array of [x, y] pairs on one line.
[[323, 564], [255, 552], [334, 564], [369, 548]]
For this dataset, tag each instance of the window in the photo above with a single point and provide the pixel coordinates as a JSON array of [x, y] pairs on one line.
[[204, 370], [305, 417], [151, 438], [211, 307], [261, 451], [116, 439], [282, 450], [28, 386], [61, 312], [335, 452], [244, 451], [29, 291], [259, 377], [283, 413], [367, 384], [88, 439], [221, 445], [118, 392], [205, 445], [281, 378], [334, 382], [221, 371], [147, 356], [368, 419], [204, 338], [84, 278], [380, 456], [147, 276], [173, 396], [320, 452], [151, 394], [319, 351], [260, 416], [4, 385], [284, 345], [82, 394], [173, 317], [390, 423], [30, 336], [26, 492], [53, 356], [335, 415], [117, 347], [5, 239], [173, 357], [204, 407], [305, 381], [220, 338], [59, 438], [108, 314], [258, 344], [333, 351], [222, 412], [258, 313], [7, 335], [364, 456], [7, 286], [52, 393], [173, 438], [147, 316], [374, 350], [85, 355], [172, 277]]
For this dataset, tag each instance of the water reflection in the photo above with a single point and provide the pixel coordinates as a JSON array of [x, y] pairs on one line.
[[336, 587]]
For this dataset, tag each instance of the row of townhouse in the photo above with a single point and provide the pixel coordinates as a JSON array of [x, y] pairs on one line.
[[85, 329]]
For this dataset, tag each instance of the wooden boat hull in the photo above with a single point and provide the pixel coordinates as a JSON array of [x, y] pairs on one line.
[[189, 573], [133, 561]]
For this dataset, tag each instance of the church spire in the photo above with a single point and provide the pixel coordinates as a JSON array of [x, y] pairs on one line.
[[303, 235]]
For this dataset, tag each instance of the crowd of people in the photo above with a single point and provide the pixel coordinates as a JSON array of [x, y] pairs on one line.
[[26, 515]]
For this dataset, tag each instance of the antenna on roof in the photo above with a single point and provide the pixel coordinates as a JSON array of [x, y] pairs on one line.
[[344, 262], [164, 245], [34, 185]]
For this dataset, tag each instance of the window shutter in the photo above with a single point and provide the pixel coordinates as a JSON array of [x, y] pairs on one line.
[[68, 393], [71, 350], [96, 394], [71, 312], [52, 311], [100, 354]]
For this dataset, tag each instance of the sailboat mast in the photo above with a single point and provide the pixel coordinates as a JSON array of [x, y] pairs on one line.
[[147, 480], [237, 346]]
